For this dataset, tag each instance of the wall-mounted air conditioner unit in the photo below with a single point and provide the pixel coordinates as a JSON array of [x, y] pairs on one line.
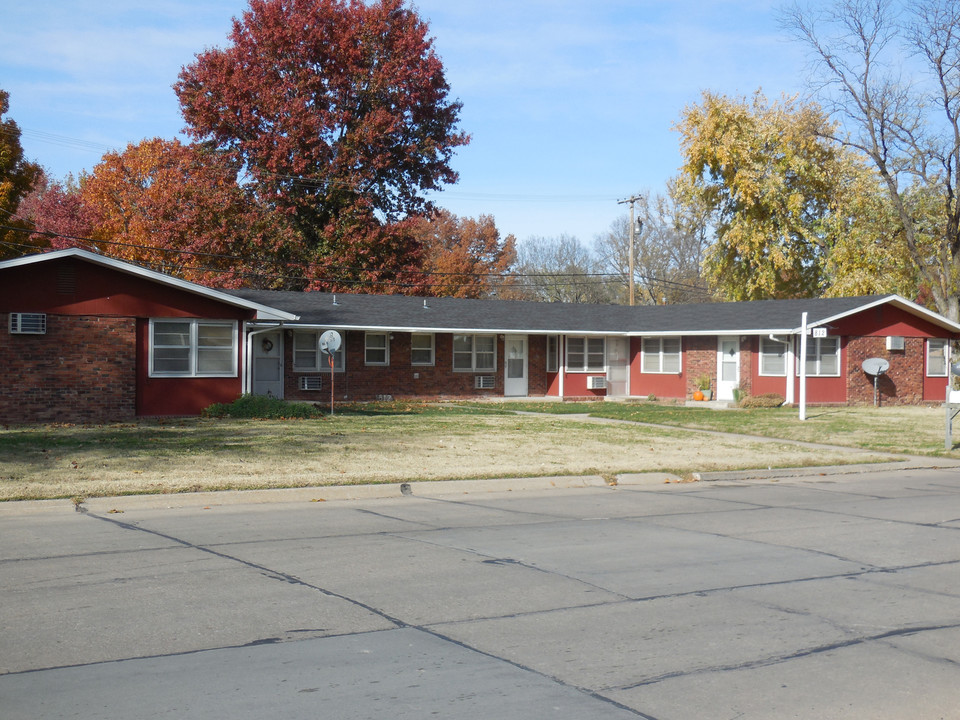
[[311, 382], [895, 342], [484, 382], [597, 382], [28, 323]]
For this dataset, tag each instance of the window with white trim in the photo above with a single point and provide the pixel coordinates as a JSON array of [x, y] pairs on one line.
[[586, 354], [661, 355], [773, 357], [823, 357], [937, 349], [307, 356], [193, 348], [474, 353], [421, 349], [376, 349], [553, 353]]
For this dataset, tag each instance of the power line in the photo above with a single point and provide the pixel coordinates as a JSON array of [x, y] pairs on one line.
[[575, 279], [54, 139]]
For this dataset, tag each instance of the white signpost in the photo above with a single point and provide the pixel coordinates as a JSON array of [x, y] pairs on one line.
[[329, 344], [803, 366], [952, 404]]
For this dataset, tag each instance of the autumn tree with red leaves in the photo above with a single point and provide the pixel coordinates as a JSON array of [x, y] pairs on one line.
[[57, 215], [179, 209], [339, 114], [464, 257]]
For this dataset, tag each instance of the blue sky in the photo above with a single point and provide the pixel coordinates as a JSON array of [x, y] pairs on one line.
[[570, 104]]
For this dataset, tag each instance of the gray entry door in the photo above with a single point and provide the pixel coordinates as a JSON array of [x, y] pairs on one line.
[[268, 364]]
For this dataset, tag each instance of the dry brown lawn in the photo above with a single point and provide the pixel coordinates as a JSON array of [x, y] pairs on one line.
[[205, 454]]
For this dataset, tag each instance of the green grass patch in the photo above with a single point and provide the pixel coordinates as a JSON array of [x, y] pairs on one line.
[[897, 429]]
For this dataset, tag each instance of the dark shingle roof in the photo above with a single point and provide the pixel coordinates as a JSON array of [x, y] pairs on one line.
[[400, 312]]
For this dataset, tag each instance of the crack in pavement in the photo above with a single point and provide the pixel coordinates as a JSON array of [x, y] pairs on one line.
[[779, 659], [397, 622]]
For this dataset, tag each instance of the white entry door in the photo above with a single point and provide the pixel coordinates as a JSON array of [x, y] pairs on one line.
[[618, 374], [515, 370], [268, 364], [728, 366]]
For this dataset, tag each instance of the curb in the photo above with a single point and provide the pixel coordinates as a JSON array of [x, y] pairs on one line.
[[438, 488], [822, 470]]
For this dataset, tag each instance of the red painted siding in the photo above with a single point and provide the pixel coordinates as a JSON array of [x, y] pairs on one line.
[[659, 384], [74, 287], [94, 385], [166, 396]]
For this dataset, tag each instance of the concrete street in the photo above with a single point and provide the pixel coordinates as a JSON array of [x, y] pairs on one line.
[[834, 596]]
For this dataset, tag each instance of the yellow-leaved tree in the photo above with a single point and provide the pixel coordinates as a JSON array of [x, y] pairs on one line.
[[793, 213]]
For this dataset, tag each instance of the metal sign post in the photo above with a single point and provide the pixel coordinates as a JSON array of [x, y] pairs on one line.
[[952, 407], [329, 343]]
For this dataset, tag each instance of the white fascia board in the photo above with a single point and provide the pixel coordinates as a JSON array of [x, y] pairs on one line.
[[718, 331], [451, 330], [264, 312]]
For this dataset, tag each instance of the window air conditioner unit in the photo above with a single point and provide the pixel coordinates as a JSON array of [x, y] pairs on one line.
[[311, 382], [895, 342], [484, 382], [597, 382], [28, 323]]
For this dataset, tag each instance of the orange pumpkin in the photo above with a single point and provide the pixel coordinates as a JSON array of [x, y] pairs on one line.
[[697, 395]]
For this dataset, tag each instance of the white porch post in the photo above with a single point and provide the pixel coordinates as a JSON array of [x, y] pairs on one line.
[[803, 367], [790, 391], [562, 360], [246, 354]]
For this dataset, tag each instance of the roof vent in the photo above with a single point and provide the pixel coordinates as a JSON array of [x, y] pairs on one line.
[[67, 279]]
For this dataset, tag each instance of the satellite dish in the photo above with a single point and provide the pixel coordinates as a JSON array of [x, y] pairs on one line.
[[330, 342], [955, 368], [875, 366]]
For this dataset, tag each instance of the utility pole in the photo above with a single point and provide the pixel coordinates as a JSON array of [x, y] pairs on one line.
[[631, 200]]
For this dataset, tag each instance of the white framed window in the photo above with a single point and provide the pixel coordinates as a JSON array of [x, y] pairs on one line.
[[475, 353], [661, 355], [188, 347], [823, 357], [422, 349], [553, 353], [586, 354], [307, 356], [937, 350], [376, 349], [773, 357]]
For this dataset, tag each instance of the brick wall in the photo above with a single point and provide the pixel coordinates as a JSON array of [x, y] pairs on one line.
[[902, 384], [82, 370], [400, 379], [700, 358]]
